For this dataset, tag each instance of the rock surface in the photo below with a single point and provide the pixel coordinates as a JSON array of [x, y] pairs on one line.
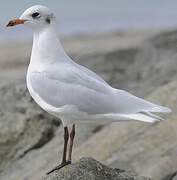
[[90, 169], [174, 177], [23, 125]]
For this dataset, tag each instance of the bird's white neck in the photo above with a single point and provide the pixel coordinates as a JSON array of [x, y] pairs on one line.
[[46, 49]]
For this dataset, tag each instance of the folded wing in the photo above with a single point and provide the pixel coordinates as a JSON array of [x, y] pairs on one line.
[[70, 85]]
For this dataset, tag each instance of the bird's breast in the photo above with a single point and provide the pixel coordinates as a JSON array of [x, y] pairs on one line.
[[35, 94]]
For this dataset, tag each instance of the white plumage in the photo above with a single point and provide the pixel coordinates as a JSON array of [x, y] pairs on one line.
[[73, 92], [70, 91]]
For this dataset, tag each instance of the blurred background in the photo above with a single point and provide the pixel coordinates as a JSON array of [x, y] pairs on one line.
[[96, 16], [133, 46]]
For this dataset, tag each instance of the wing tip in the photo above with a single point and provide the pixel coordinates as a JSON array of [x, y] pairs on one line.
[[161, 109], [142, 117]]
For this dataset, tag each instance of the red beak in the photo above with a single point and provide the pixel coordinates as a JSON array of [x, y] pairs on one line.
[[15, 22]]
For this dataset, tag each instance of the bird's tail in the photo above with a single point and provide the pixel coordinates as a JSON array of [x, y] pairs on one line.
[[145, 117], [160, 109]]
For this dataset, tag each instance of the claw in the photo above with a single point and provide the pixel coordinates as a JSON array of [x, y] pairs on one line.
[[59, 167]]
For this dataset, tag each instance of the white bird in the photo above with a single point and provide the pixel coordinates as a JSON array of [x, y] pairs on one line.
[[70, 91]]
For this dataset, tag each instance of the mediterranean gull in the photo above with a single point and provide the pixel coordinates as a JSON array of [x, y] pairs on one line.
[[70, 91]]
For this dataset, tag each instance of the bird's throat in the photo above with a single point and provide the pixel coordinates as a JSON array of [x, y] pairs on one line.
[[47, 48]]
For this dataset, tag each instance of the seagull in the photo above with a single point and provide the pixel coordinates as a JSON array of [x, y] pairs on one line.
[[70, 91]]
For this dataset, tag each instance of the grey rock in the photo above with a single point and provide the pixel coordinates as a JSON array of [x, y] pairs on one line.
[[155, 63], [23, 125], [90, 169], [172, 176], [175, 177]]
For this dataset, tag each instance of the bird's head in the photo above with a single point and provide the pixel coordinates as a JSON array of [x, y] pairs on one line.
[[35, 17]]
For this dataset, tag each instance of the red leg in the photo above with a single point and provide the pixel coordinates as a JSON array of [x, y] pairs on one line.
[[64, 162], [72, 135], [66, 137]]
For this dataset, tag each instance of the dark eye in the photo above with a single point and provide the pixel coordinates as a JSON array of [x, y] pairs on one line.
[[36, 14]]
